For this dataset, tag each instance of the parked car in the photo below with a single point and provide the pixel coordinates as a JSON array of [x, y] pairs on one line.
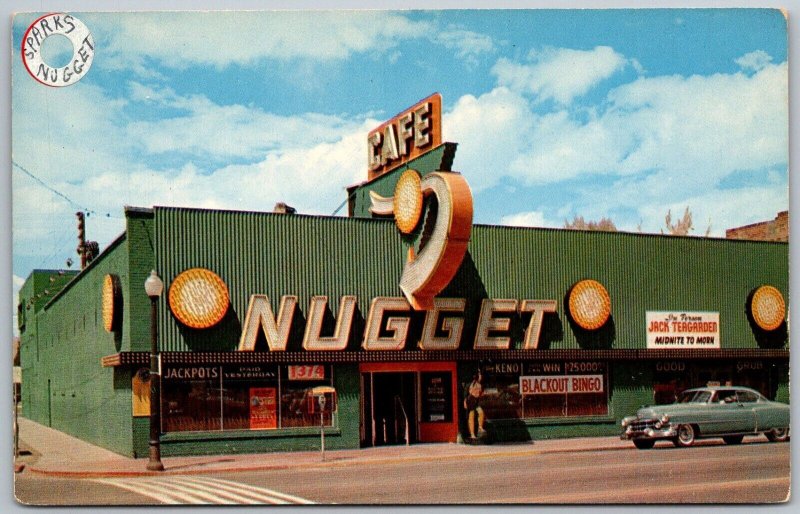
[[727, 412]]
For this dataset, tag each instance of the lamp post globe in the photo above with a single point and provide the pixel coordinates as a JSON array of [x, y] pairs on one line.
[[153, 286]]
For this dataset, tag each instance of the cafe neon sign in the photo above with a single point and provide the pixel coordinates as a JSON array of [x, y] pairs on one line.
[[429, 269]]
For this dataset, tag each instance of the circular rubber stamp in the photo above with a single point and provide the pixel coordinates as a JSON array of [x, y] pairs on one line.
[[82, 49]]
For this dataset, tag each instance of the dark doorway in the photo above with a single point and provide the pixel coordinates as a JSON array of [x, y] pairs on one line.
[[389, 415]]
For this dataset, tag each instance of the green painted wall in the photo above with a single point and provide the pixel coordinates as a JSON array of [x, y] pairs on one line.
[[39, 288], [141, 251], [69, 389]]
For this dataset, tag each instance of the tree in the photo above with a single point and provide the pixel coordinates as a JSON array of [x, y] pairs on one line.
[[578, 223], [680, 227], [683, 226]]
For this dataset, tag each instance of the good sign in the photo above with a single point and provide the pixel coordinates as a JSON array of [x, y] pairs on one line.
[[405, 137]]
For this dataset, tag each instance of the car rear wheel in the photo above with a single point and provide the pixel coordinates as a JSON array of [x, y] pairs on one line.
[[644, 444], [733, 439], [685, 437], [778, 435]]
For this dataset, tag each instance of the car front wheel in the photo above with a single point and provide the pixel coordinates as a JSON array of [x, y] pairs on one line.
[[778, 435], [643, 444], [685, 437]]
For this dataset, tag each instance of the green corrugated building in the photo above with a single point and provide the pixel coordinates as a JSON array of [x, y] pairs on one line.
[[569, 330]]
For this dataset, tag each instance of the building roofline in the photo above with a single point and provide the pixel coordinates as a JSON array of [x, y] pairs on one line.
[[115, 243]]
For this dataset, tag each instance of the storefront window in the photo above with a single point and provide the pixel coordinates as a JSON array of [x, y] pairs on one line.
[[545, 389], [255, 397], [249, 397], [673, 376], [299, 408], [190, 399]]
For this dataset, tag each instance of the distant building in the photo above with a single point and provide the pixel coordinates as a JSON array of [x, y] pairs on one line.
[[774, 230], [16, 371]]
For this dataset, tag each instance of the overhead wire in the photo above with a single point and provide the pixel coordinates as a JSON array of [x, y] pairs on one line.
[[60, 194]]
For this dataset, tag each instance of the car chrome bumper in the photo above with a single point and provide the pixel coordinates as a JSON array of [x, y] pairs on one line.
[[649, 433]]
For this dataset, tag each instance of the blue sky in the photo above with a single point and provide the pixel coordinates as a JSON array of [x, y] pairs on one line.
[[619, 113]]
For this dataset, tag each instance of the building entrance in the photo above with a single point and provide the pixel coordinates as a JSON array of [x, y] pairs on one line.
[[407, 403], [390, 406]]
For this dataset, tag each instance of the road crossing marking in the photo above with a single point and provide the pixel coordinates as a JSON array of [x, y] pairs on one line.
[[178, 490]]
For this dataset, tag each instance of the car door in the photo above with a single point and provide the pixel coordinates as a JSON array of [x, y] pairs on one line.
[[726, 413], [745, 421], [765, 414]]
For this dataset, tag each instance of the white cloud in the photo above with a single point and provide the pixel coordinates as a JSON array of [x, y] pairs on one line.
[[692, 128], [490, 130], [528, 219], [224, 131], [699, 128], [467, 44], [222, 38], [560, 74], [658, 143], [754, 61]]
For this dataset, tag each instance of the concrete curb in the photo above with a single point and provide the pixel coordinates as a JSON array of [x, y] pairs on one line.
[[341, 462]]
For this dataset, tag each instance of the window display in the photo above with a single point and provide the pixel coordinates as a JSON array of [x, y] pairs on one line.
[[253, 397], [545, 389]]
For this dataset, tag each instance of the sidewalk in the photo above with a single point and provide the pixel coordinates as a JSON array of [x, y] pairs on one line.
[[57, 454]]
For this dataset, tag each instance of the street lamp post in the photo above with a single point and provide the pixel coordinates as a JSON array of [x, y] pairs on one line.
[[153, 286]]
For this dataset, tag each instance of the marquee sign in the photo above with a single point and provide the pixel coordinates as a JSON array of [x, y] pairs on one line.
[[112, 300], [198, 298], [682, 329], [437, 251], [405, 137], [443, 327], [441, 249], [768, 308]]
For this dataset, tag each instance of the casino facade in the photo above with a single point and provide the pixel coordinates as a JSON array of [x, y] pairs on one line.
[[396, 307]]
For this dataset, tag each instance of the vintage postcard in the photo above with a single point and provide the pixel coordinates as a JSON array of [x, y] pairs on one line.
[[401, 257]]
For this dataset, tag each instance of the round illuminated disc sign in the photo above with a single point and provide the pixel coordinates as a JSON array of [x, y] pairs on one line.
[[407, 201], [111, 291], [768, 307], [589, 304], [198, 298]]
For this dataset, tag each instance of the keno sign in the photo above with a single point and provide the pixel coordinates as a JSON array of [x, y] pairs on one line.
[[682, 330]]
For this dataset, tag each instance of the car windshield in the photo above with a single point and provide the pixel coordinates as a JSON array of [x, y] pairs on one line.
[[694, 397]]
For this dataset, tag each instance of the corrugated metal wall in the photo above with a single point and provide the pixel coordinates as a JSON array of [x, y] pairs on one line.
[[277, 254]]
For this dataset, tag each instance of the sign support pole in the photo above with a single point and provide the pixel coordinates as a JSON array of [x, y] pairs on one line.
[[322, 426]]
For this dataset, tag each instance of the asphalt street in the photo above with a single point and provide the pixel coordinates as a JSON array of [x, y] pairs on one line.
[[753, 472]]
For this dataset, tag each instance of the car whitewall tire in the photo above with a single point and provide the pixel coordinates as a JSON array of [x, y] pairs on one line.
[[686, 436], [778, 435]]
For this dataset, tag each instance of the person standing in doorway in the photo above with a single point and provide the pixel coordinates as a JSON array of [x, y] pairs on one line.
[[472, 405]]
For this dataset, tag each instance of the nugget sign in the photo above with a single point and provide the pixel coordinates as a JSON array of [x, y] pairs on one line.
[[555, 384], [406, 136]]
